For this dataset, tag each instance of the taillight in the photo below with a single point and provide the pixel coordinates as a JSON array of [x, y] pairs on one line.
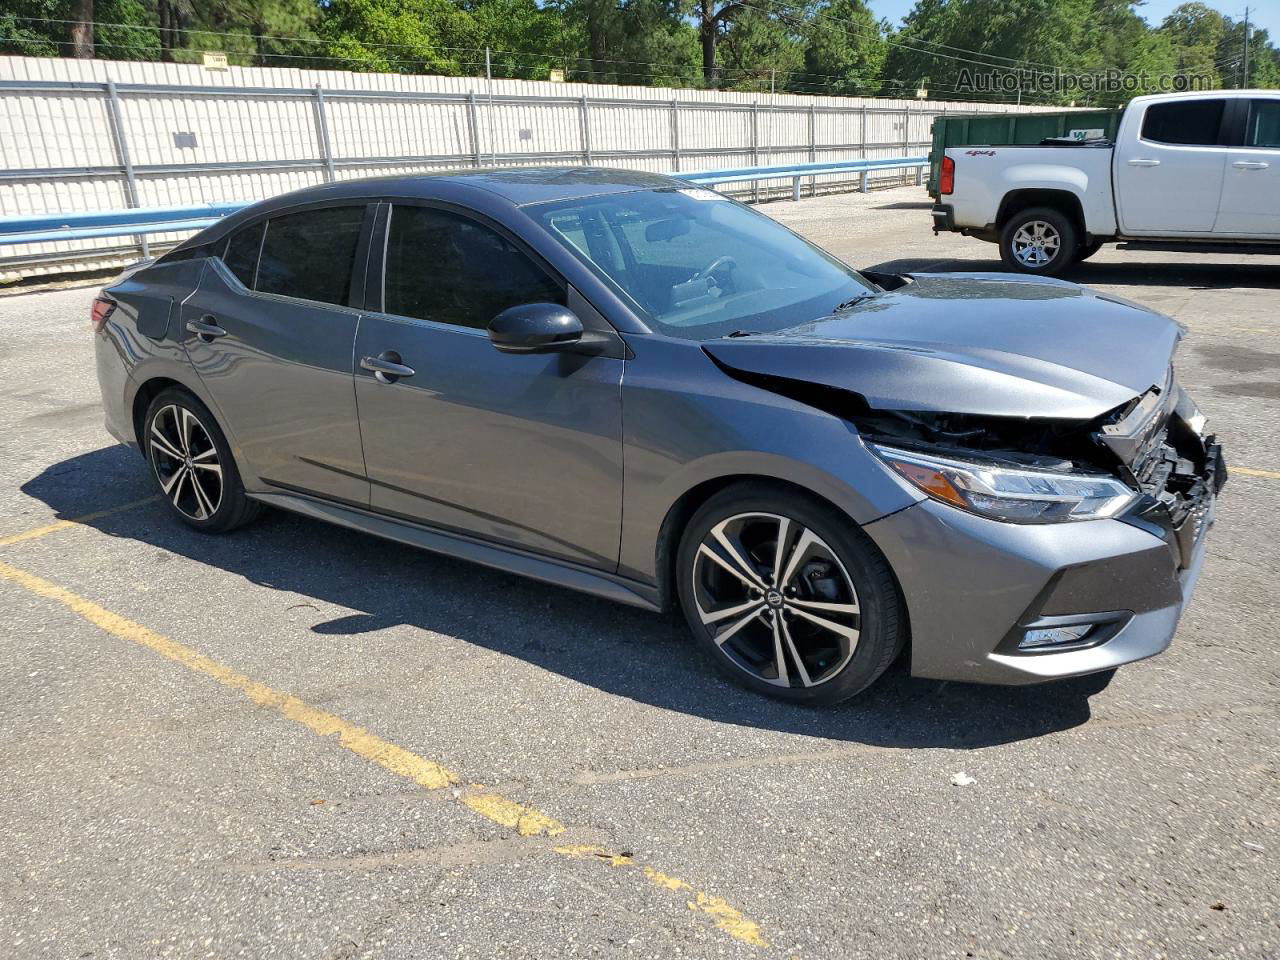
[[947, 176], [101, 313]]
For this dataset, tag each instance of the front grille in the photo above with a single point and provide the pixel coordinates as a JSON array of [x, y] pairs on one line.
[[1165, 457]]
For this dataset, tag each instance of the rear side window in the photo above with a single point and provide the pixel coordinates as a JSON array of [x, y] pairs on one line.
[[449, 269], [1188, 122], [310, 255], [241, 256], [1264, 124]]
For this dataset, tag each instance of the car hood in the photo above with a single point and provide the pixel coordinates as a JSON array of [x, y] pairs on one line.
[[988, 344]]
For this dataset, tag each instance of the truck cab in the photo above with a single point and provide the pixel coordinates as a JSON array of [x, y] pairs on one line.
[[1192, 169]]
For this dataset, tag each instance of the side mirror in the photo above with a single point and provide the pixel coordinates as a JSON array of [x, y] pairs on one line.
[[535, 328]]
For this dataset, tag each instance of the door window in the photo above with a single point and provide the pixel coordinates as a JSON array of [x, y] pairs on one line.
[[1187, 122], [241, 256], [1264, 124], [310, 255], [444, 267]]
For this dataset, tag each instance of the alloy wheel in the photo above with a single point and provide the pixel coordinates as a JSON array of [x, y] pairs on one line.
[[185, 459], [776, 598], [1036, 243]]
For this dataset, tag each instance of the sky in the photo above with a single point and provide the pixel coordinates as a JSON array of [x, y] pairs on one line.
[[1265, 13]]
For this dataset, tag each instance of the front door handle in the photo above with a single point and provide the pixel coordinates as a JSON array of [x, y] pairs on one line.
[[1144, 162], [1250, 165], [386, 367], [206, 328]]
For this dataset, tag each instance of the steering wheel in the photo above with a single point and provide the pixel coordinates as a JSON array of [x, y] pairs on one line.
[[719, 263]]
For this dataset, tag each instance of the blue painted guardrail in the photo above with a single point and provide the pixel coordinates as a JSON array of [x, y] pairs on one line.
[[49, 227], [798, 171]]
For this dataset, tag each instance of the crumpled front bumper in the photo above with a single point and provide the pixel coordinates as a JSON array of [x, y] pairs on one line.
[[973, 586]]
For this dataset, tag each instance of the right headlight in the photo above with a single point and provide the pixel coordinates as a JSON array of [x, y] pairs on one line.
[[1009, 493]]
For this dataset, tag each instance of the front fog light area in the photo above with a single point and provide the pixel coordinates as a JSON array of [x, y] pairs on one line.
[[1041, 637]]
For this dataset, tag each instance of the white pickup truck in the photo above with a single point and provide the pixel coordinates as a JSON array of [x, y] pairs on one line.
[[1186, 171]]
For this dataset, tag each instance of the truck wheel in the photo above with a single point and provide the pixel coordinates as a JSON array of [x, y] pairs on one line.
[[1039, 240]]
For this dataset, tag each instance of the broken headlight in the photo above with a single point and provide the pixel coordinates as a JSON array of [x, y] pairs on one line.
[[1008, 493]]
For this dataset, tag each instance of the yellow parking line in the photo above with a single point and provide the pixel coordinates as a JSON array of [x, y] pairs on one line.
[[363, 743], [1250, 472], [727, 918], [73, 522]]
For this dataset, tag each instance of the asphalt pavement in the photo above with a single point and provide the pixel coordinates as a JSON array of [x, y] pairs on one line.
[[296, 741]]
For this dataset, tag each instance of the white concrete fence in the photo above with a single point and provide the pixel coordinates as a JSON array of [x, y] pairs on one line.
[[81, 135]]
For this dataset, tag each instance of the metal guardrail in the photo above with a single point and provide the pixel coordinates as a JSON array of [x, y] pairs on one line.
[[46, 228], [799, 171]]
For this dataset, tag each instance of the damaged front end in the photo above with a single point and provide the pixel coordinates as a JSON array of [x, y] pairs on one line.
[[1146, 462]]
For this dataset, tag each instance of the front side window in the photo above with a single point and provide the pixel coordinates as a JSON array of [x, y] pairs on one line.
[[444, 267], [699, 266], [311, 255], [1264, 124], [1184, 123], [241, 255]]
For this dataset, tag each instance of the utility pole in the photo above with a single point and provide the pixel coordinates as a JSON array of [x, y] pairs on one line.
[[1244, 79]]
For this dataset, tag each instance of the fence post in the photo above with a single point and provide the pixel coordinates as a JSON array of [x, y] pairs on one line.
[[906, 130], [675, 135], [322, 136], [755, 147], [586, 130], [813, 149], [473, 122], [121, 141]]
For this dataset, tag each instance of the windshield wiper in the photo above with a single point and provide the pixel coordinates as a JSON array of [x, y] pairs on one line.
[[744, 333], [860, 298]]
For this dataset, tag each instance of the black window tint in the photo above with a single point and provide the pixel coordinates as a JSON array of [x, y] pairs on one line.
[[446, 268], [190, 253], [310, 255], [1264, 124], [241, 256], [1190, 122]]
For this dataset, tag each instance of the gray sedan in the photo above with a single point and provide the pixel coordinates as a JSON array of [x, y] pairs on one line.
[[621, 384]]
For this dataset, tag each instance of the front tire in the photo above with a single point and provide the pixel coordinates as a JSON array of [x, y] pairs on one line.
[[1039, 240], [788, 596], [192, 464]]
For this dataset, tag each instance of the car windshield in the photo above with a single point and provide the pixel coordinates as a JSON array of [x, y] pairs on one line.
[[699, 266]]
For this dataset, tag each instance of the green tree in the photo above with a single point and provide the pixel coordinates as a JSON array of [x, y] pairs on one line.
[[1196, 32], [844, 51], [758, 50], [400, 36]]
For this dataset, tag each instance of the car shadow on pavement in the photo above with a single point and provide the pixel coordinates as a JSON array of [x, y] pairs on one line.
[[373, 584], [1263, 274]]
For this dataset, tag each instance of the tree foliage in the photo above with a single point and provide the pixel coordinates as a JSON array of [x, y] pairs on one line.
[[805, 46]]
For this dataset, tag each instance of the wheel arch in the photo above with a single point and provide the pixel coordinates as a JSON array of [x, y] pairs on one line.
[[687, 504], [146, 392], [1064, 201]]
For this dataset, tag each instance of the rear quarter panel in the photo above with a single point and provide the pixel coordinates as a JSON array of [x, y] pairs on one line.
[[984, 176], [139, 345]]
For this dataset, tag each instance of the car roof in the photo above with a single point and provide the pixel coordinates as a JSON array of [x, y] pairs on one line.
[[517, 185], [479, 187]]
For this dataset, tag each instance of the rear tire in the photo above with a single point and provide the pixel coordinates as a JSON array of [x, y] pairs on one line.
[[1039, 240], [192, 465], [820, 629]]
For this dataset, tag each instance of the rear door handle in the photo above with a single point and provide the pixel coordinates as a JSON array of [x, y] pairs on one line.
[[206, 328], [1144, 162], [1250, 165], [386, 367]]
